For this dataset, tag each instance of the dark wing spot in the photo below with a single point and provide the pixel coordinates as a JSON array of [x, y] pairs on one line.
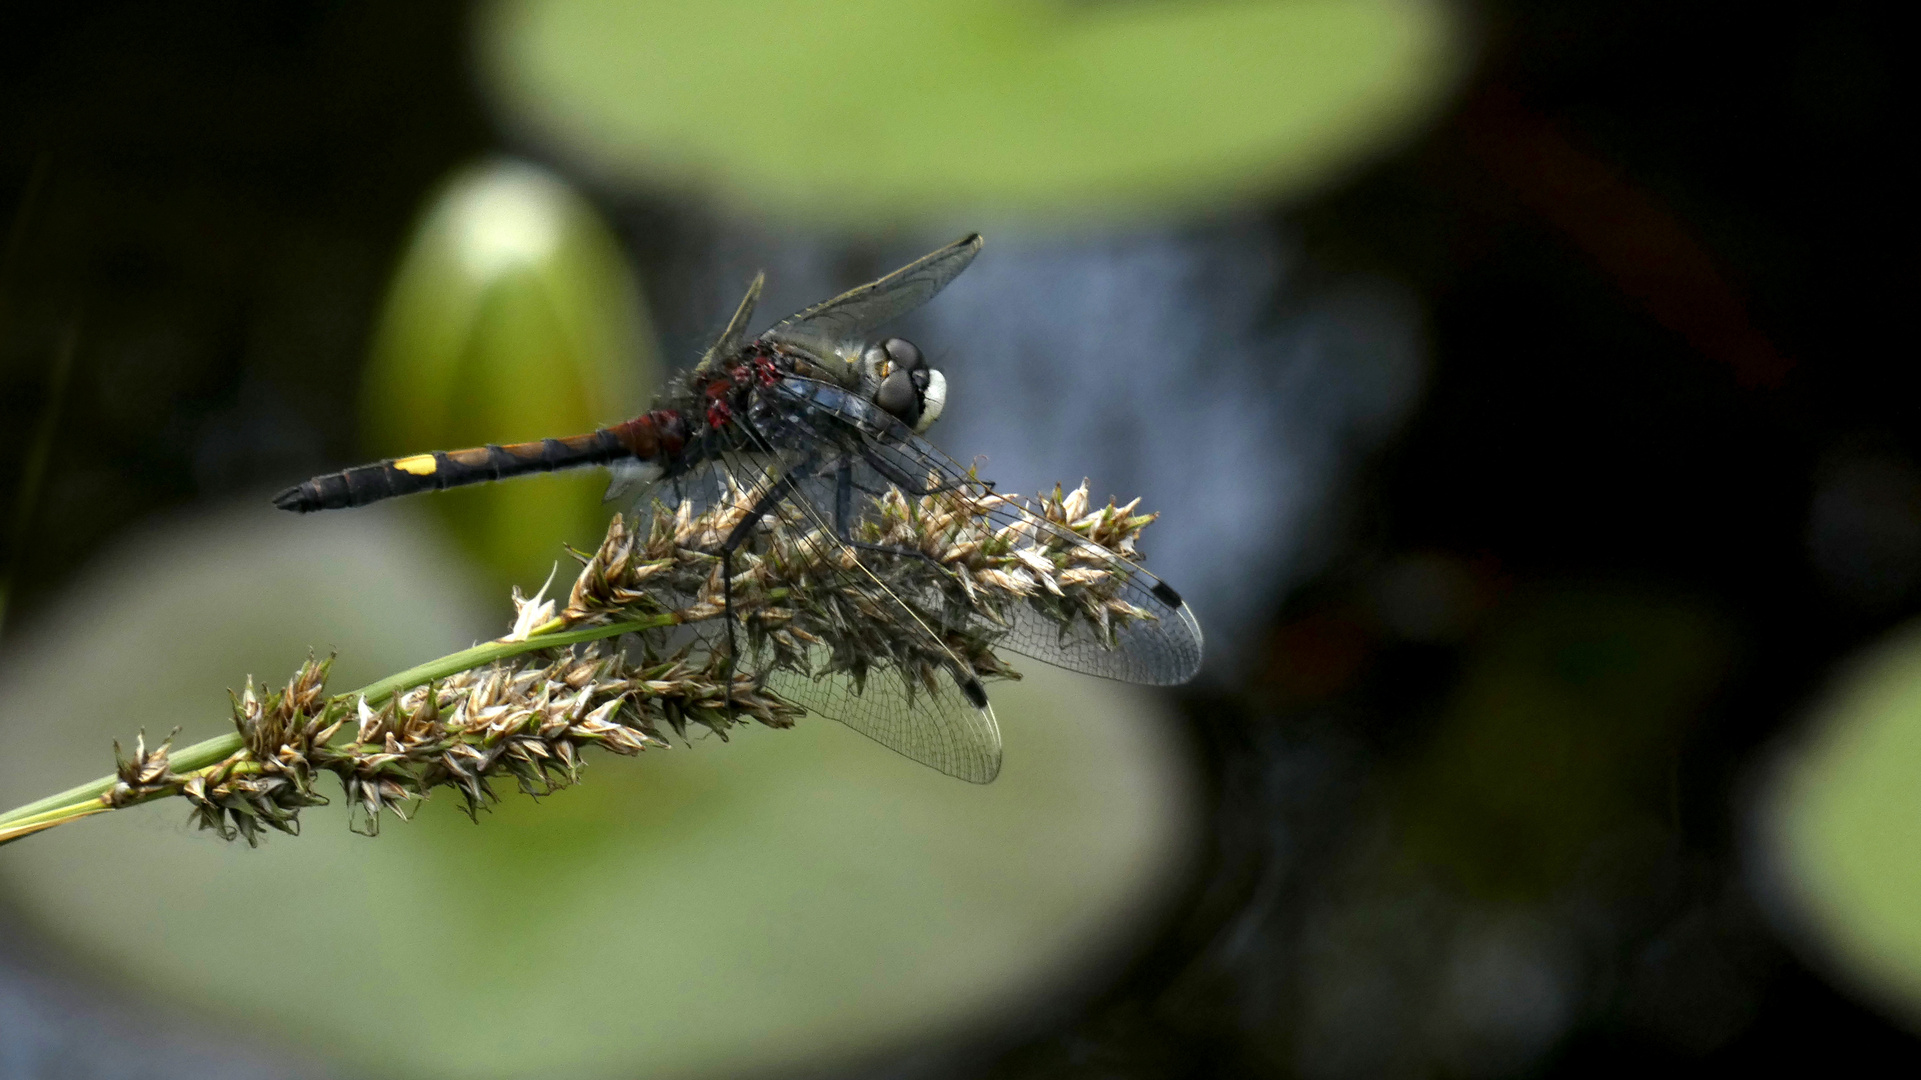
[[976, 693], [1166, 595]]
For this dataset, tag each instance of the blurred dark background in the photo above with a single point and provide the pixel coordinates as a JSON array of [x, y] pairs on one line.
[[1661, 478]]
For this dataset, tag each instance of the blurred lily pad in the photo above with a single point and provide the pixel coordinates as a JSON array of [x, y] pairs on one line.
[[790, 900], [512, 316], [880, 111], [1844, 817]]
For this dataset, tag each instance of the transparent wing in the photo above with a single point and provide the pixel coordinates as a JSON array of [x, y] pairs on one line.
[[630, 481], [731, 339], [890, 678], [1153, 639], [929, 723], [871, 664], [856, 311]]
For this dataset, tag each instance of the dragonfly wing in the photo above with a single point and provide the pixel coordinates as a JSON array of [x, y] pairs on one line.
[[1125, 624], [632, 480], [1148, 634], [851, 314], [930, 722], [735, 335], [889, 678], [1161, 649]]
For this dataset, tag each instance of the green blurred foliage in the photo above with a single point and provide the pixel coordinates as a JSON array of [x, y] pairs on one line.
[[513, 315], [1560, 745], [879, 111], [1845, 825]]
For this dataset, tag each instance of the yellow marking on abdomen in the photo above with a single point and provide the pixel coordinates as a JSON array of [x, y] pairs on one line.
[[419, 464]]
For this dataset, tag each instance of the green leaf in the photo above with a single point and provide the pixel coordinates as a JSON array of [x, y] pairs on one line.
[[1844, 816], [879, 111]]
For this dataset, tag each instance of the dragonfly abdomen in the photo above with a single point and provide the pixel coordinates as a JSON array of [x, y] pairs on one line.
[[651, 436]]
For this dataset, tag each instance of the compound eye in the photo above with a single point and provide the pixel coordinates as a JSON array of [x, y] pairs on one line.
[[903, 352], [898, 396], [931, 402]]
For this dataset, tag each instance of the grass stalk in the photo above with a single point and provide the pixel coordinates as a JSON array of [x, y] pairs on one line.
[[88, 798]]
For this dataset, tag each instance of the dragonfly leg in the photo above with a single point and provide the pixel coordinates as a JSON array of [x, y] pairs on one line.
[[844, 520], [741, 531]]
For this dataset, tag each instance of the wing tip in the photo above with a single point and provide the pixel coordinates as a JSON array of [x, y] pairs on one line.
[[975, 693], [987, 766], [985, 776], [1200, 642], [1165, 594]]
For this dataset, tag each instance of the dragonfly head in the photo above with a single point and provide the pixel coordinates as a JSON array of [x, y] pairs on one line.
[[899, 380]]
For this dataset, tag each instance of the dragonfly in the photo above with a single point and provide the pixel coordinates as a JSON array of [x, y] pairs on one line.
[[819, 417]]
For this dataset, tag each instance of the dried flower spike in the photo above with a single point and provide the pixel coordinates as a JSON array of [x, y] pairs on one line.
[[938, 583]]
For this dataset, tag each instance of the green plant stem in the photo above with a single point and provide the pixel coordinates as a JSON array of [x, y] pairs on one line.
[[89, 798]]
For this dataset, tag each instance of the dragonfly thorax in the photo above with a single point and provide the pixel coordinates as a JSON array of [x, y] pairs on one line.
[[896, 377]]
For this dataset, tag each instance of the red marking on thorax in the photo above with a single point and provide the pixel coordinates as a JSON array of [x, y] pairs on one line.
[[716, 392]]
